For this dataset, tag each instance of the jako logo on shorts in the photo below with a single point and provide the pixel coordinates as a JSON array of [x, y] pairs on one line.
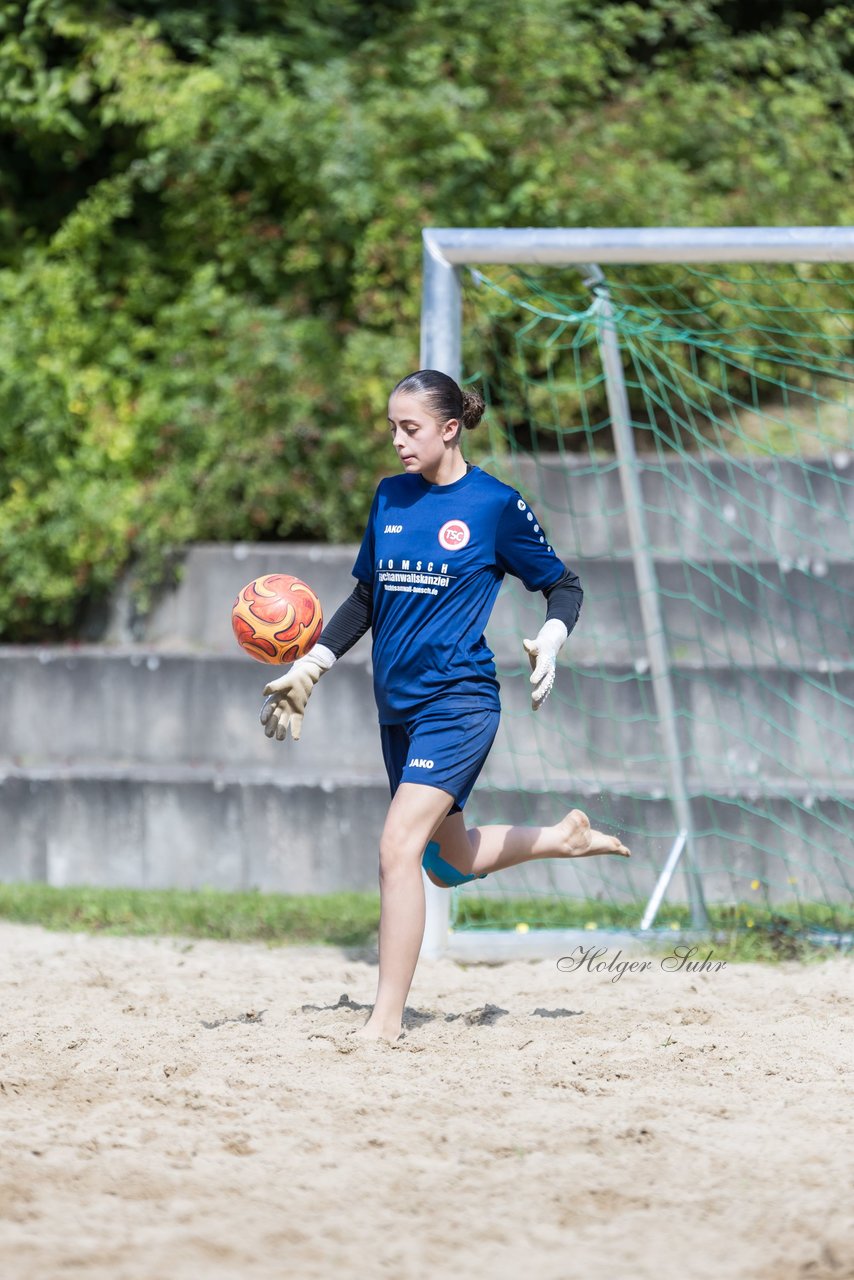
[[417, 763], [454, 535]]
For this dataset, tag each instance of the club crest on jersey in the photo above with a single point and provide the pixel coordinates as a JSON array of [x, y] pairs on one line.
[[454, 535]]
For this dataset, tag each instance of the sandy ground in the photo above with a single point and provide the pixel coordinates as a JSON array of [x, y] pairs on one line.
[[174, 1110]]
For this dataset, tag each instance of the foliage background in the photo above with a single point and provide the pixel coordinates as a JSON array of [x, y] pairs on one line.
[[210, 225]]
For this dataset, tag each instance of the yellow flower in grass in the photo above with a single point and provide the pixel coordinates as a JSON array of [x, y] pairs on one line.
[[591, 924], [754, 884]]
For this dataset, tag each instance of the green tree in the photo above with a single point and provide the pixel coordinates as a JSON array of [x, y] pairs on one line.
[[210, 218]]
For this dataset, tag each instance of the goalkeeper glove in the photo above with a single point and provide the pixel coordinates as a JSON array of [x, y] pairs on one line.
[[542, 654], [290, 693]]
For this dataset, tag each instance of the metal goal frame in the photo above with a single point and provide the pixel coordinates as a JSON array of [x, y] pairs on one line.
[[445, 251]]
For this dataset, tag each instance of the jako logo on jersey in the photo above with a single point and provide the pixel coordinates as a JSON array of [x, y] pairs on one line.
[[394, 528], [454, 535], [417, 763]]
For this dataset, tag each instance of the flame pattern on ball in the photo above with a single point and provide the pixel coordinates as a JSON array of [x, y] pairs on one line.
[[277, 618]]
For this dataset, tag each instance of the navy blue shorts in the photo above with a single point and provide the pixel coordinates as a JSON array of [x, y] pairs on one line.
[[440, 747]]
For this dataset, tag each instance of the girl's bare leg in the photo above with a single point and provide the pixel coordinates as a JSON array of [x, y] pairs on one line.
[[484, 849], [413, 816]]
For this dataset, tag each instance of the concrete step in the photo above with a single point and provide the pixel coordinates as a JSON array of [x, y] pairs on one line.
[[158, 828], [705, 504], [773, 611], [129, 707]]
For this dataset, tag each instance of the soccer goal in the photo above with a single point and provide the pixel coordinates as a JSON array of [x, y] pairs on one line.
[[677, 406]]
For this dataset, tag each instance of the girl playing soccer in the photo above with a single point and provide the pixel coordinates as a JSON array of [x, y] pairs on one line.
[[439, 540]]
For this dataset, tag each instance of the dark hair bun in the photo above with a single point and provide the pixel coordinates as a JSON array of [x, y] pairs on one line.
[[443, 397], [473, 409]]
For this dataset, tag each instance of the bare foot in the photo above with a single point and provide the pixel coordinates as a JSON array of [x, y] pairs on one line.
[[370, 1031], [579, 840]]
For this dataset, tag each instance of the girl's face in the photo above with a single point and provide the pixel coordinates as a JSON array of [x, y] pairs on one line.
[[420, 439]]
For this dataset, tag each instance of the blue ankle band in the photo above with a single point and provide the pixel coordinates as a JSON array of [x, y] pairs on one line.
[[433, 861]]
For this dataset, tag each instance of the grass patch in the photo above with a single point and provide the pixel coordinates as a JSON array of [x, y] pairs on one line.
[[579, 913], [337, 919], [742, 932], [737, 932], [760, 946]]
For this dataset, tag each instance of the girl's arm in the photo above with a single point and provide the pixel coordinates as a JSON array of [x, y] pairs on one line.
[[288, 696], [349, 623], [564, 600], [564, 605]]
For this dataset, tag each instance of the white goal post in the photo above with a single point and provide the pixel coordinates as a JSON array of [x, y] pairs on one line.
[[445, 251]]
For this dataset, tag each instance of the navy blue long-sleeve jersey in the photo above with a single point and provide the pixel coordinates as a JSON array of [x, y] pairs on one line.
[[434, 557]]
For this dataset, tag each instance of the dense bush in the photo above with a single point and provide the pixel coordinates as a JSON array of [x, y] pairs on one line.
[[209, 231]]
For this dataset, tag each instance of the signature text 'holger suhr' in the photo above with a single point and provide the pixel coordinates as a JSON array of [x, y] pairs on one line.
[[594, 960]]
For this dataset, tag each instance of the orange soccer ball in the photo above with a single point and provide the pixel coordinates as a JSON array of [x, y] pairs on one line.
[[277, 618]]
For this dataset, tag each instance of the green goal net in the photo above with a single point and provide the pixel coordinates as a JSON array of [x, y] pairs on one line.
[[740, 389]]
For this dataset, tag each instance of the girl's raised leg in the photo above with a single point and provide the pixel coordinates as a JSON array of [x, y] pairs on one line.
[[479, 850]]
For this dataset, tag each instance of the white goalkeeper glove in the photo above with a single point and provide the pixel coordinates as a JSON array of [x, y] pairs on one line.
[[290, 693], [542, 654]]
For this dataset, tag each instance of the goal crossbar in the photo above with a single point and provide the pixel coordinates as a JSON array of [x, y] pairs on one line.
[[562, 246]]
